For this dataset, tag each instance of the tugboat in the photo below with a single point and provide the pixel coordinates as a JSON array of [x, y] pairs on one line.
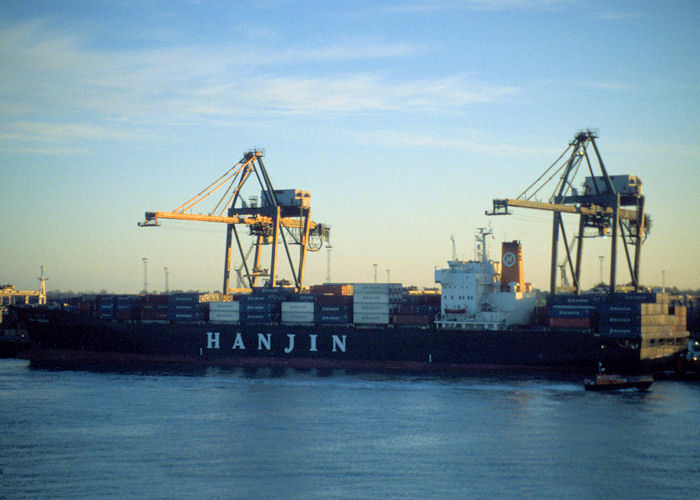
[[610, 382]]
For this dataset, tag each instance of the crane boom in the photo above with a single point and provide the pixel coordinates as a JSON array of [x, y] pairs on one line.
[[600, 207], [275, 220]]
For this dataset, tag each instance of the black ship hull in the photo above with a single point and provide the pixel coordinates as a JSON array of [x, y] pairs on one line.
[[62, 339]]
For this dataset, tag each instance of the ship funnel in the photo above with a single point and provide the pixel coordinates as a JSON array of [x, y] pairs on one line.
[[512, 266]]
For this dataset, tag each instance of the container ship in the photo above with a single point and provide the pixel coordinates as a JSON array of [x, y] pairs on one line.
[[484, 317], [485, 314]]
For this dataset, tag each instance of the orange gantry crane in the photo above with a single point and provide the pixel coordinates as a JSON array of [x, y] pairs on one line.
[[278, 215]]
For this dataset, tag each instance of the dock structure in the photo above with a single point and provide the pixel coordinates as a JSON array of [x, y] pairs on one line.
[[11, 293]]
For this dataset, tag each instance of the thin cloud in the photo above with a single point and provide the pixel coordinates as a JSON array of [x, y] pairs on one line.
[[56, 78], [476, 5]]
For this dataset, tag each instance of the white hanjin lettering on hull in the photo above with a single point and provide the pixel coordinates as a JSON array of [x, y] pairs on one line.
[[290, 347], [238, 343], [213, 340], [340, 344], [264, 340]]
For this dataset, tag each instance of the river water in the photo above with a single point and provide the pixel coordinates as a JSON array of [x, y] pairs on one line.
[[239, 433]]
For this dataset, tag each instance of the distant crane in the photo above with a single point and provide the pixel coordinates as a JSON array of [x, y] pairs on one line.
[[562, 266], [282, 215], [600, 206]]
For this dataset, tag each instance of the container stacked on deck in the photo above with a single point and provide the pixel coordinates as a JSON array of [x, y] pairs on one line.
[[333, 303], [263, 305], [635, 314], [184, 307], [104, 307], [225, 312], [126, 307], [154, 307], [374, 303], [572, 311], [298, 309], [417, 309], [648, 320]]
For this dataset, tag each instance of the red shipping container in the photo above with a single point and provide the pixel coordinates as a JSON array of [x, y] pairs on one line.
[[570, 322], [410, 319]]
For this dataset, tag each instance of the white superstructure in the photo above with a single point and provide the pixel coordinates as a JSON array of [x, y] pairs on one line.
[[473, 296]]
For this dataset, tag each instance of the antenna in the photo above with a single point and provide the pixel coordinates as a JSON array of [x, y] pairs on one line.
[[42, 287], [375, 272], [328, 264], [145, 274], [167, 289], [454, 249]]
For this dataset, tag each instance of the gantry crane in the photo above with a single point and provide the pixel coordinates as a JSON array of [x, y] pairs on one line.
[[600, 206], [280, 214]]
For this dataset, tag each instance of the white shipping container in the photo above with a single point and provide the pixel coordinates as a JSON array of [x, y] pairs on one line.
[[224, 316], [371, 318], [377, 298], [371, 307], [225, 306], [297, 307], [297, 317]]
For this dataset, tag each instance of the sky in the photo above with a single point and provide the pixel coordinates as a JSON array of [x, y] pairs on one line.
[[403, 119]]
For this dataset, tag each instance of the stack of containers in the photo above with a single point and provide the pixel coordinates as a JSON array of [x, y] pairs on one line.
[[225, 312], [374, 303], [573, 311], [125, 307], [334, 309], [154, 307], [417, 309], [298, 309], [633, 315], [85, 305], [184, 307], [263, 305], [105, 307]]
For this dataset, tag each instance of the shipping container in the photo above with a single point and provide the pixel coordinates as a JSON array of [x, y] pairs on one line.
[[570, 322], [330, 300], [639, 297], [331, 289], [370, 318], [333, 309], [306, 307], [391, 288], [570, 299], [375, 298], [333, 317], [259, 317], [223, 316], [155, 299], [294, 317], [301, 297], [371, 307], [224, 306], [259, 307], [184, 298], [411, 319], [571, 311]]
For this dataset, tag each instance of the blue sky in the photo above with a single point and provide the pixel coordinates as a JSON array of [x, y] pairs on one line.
[[403, 119]]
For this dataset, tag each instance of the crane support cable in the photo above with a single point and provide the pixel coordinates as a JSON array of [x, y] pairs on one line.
[[521, 195], [228, 175]]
